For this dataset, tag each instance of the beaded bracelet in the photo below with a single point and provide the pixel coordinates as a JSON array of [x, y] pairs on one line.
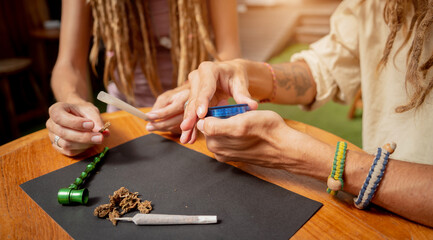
[[73, 194], [274, 85], [374, 176], [335, 179]]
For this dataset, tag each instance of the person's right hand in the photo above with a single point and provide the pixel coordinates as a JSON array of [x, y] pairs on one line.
[[214, 82], [77, 125]]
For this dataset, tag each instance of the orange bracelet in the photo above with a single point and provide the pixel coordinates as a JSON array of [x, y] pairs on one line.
[[274, 85]]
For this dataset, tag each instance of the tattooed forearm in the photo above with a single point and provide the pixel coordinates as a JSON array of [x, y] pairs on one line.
[[293, 76]]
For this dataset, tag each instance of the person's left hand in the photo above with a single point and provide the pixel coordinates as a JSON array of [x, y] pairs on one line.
[[167, 112], [256, 137]]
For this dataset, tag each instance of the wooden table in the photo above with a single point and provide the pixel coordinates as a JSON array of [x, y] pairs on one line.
[[32, 156]]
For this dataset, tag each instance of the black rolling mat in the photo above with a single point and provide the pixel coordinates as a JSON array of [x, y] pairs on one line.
[[178, 181]]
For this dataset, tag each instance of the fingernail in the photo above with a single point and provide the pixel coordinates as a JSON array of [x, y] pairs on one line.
[[88, 125], [200, 111], [152, 115], [182, 137], [150, 127], [96, 139], [200, 125]]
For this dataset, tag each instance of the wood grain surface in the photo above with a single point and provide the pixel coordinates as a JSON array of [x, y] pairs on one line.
[[32, 156]]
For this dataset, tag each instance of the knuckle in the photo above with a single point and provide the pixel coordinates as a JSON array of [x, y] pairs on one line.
[[243, 131], [52, 108], [160, 125], [240, 130], [83, 138], [220, 158], [61, 132], [67, 145], [206, 64], [163, 99], [191, 75], [212, 146], [68, 152], [210, 128], [95, 108], [273, 115], [48, 123], [55, 117]]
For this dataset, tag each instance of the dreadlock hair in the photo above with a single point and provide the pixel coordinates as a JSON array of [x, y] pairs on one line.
[[394, 13], [125, 29]]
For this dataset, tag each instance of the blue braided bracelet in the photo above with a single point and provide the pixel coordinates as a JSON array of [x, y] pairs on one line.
[[374, 176]]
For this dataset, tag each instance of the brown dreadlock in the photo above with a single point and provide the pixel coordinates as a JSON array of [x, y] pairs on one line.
[[125, 28], [395, 14]]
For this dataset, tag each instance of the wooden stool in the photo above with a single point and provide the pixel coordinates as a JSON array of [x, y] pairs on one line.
[[11, 67]]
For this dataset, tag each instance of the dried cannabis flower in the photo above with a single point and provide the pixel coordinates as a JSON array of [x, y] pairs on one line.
[[125, 200]]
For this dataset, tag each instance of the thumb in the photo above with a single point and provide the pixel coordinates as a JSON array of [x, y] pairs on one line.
[[212, 126], [96, 118], [92, 113], [200, 125]]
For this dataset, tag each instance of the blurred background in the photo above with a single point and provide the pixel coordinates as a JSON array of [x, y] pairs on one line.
[[270, 30]]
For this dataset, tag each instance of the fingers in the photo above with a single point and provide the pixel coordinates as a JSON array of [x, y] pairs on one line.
[[72, 135], [202, 93], [203, 85], [193, 136], [91, 112], [63, 146], [76, 125], [212, 126], [219, 79], [241, 94], [171, 124], [169, 104], [66, 115], [168, 111]]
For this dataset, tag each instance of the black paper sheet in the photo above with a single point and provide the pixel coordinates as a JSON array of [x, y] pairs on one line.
[[178, 181]]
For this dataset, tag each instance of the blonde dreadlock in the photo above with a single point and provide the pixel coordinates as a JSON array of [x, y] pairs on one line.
[[395, 14], [125, 28]]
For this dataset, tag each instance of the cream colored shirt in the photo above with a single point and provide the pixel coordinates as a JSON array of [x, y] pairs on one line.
[[347, 58]]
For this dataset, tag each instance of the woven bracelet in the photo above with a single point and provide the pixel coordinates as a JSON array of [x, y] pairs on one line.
[[374, 176], [335, 179], [274, 85]]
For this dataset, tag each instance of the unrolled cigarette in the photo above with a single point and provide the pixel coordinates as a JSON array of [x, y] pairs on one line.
[[112, 100], [168, 219]]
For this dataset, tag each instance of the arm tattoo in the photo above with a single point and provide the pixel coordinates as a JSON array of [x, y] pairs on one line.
[[293, 76]]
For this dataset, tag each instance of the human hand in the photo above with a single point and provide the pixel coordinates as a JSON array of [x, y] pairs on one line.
[[256, 137], [167, 112], [77, 125], [214, 81]]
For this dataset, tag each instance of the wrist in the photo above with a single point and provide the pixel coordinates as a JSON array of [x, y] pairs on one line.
[[261, 79], [313, 157], [74, 98]]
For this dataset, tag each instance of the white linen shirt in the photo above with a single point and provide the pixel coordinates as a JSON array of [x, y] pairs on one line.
[[347, 58]]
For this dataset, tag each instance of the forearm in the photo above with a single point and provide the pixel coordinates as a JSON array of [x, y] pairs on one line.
[[69, 79], [294, 82], [406, 188], [224, 18], [70, 84]]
